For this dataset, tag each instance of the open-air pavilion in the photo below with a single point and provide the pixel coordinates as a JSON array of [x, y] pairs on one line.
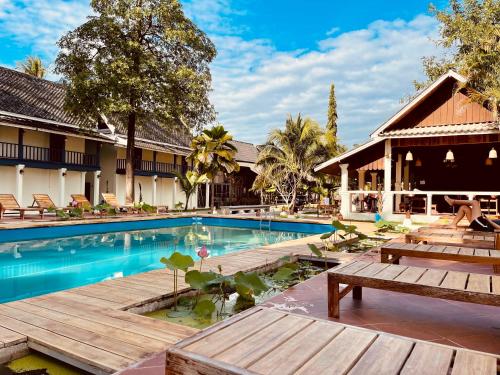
[[440, 143]]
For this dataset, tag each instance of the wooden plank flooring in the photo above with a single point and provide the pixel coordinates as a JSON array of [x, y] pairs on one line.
[[276, 342], [89, 327]]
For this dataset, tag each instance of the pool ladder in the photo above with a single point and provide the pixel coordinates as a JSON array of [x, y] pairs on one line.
[[265, 220]]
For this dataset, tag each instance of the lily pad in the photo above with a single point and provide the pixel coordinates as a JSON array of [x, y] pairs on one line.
[[315, 250], [284, 273], [199, 280], [204, 308], [248, 284], [178, 261]]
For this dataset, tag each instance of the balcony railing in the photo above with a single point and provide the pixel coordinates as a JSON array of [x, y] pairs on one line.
[[27, 153], [152, 167]]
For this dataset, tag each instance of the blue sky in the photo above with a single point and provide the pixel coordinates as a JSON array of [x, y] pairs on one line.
[[275, 57]]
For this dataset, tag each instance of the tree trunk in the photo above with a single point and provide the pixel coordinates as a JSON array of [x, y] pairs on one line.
[[187, 201], [212, 194], [294, 196], [129, 162]]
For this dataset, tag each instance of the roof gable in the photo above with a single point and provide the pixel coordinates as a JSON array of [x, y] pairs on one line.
[[454, 111]]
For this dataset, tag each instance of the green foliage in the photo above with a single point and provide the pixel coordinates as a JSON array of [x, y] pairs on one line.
[[200, 280], [137, 61], [204, 308], [331, 125], [32, 66], [106, 208], [189, 183], [385, 226], [143, 206], [315, 250], [469, 33], [178, 261], [287, 160], [249, 285], [283, 273]]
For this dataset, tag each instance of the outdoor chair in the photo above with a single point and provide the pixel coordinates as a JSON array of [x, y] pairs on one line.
[[9, 203], [111, 199], [82, 202], [44, 202]]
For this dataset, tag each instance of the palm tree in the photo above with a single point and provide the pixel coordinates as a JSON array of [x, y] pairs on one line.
[[189, 183], [33, 66], [213, 153], [290, 155]]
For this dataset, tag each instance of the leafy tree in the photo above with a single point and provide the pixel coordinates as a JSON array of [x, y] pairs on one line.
[[470, 34], [331, 125], [213, 153], [189, 183], [32, 66], [290, 155], [137, 61]]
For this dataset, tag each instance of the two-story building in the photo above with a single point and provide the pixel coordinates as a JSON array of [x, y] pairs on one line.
[[44, 149]]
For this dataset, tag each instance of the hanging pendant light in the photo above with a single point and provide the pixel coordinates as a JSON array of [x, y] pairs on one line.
[[450, 158], [418, 163], [409, 156], [492, 154]]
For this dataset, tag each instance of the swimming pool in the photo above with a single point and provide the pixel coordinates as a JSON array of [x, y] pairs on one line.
[[59, 258]]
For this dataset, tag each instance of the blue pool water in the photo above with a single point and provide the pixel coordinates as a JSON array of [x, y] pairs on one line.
[[59, 258]]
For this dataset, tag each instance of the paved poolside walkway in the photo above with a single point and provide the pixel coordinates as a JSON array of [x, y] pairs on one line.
[[89, 327]]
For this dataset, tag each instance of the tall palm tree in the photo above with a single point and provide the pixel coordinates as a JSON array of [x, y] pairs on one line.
[[33, 66], [189, 183], [290, 155], [213, 153]]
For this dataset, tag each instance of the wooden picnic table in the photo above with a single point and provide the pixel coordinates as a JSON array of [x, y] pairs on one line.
[[267, 341], [452, 285]]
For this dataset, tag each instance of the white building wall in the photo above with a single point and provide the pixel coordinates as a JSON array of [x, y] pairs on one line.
[[34, 138], [73, 186], [8, 184], [41, 181], [109, 178], [165, 191], [147, 188], [8, 134]]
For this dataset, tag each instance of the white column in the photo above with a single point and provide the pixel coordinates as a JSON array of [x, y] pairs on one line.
[[174, 193], [62, 187], [429, 205], [195, 203], [19, 183], [344, 193], [207, 195], [388, 203], [153, 198], [97, 179], [82, 182], [361, 179], [397, 185]]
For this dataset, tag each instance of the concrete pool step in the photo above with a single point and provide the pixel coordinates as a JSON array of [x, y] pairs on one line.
[[88, 326]]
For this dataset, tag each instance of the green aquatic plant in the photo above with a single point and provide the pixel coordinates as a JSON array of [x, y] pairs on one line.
[[177, 262], [320, 254]]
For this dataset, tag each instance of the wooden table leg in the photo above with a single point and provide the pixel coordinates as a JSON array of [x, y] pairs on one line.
[[333, 298], [357, 292], [384, 257]]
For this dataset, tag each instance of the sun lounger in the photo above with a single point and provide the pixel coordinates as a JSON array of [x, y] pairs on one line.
[[451, 285], [485, 240], [267, 341], [82, 202], [44, 202], [111, 199], [9, 203], [391, 252]]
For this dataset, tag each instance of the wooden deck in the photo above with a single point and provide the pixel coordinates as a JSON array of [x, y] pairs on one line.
[[483, 240], [267, 341], [88, 327]]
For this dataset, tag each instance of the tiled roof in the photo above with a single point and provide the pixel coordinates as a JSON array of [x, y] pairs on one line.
[[247, 152], [474, 128], [25, 95]]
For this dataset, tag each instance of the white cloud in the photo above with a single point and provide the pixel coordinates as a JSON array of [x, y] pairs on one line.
[[256, 86]]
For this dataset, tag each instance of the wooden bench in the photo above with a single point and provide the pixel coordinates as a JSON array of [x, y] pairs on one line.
[[111, 199], [9, 203], [452, 285], [441, 252], [483, 240], [44, 202], [267, 341]]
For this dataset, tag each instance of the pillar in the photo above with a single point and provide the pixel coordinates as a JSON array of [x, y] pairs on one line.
[[97, 188], [82, 182], [397, 184], [174, 194], [374, 180], [154, 179], [388, 203], [361, 186], [207, 195], [344, 190], [19, 183], [62, 187]]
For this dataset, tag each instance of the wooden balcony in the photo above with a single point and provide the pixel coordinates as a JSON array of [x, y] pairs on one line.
[[151, 168], [42, 157]]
